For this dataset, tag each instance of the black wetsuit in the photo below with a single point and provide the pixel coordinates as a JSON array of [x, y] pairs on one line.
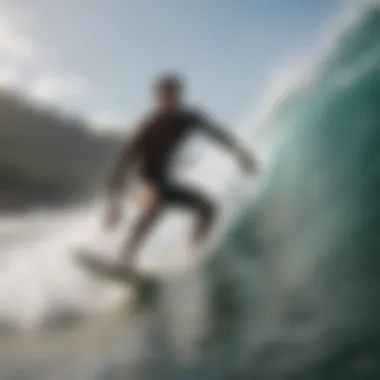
[[153, 150]]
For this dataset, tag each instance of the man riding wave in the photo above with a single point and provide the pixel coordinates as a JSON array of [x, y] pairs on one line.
[[149, 155]]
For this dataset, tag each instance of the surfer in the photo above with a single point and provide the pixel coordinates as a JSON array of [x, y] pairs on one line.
[[149, 155]]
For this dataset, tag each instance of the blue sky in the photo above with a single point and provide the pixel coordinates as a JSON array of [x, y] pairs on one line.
[[97, 57]]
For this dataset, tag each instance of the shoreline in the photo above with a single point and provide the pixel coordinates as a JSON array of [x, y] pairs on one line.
[[19, 205]]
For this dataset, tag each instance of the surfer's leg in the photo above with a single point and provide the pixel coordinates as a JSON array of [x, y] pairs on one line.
[[196, 201], [150, 214]]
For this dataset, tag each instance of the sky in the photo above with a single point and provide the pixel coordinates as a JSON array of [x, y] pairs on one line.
[[97, 58]]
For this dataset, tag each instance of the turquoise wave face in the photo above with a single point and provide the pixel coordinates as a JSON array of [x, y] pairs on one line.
[[305, 291]]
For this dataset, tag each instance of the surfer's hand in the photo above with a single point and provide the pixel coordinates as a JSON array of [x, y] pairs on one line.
[[248, 163], [112, 217]]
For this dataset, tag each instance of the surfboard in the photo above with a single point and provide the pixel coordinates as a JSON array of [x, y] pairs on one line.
[[102, 267], [109, 270]]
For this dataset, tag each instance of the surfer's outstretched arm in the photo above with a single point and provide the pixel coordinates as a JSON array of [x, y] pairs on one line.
[[114, 185], [212, 129], [118, 173], [127, 157], [118, 178]]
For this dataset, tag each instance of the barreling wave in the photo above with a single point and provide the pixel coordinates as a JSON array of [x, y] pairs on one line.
[[296, 277]]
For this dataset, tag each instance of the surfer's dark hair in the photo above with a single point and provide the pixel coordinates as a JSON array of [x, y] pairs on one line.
[[169, 81]]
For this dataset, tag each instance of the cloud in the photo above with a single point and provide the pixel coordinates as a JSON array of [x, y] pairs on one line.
[[49, 89], [23, 55], [14, 44], [17, 45], [9, 76], [107, 120]]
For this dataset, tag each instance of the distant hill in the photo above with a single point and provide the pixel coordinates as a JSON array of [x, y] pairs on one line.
[[46, 156]]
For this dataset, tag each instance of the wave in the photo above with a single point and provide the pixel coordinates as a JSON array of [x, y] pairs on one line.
[[311, 233]]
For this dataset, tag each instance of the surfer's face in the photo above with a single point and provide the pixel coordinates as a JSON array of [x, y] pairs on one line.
[[167, 97]]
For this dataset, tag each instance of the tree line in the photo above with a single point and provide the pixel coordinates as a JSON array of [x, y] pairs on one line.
[[47, 156]]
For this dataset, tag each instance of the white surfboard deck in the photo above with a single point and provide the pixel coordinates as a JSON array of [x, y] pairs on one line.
[[110, 270]]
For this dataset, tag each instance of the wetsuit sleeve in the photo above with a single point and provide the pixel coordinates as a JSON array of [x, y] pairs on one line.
[[127, 155], [211, 128]]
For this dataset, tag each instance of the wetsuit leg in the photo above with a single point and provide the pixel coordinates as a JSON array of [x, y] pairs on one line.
[[164, 193], [193, 199], [151, 211]]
